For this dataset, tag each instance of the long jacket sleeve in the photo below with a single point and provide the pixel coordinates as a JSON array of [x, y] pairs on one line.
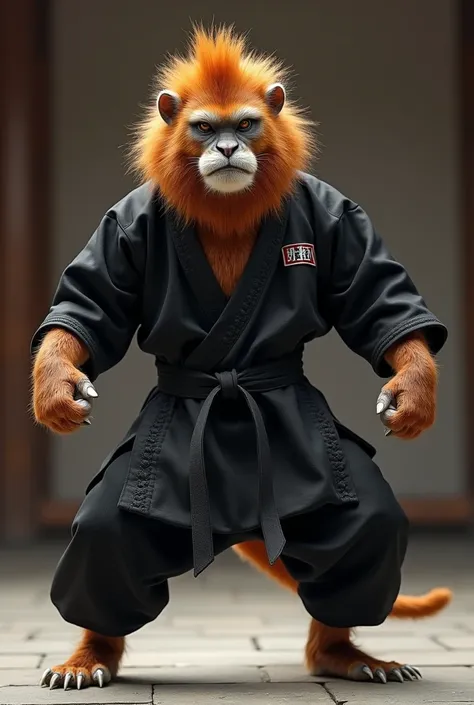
[[369, 297], [98, 297]]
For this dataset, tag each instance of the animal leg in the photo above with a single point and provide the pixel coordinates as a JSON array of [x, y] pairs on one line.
[[330, 652], [95, 662]]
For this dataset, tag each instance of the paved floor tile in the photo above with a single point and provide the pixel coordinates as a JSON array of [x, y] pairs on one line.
[[451, 685], [18, 637], [148, 633], [193, 674], [208, 658], [251, 609], [274, 617], [457, 642], [375, 644], [428, 629], [19, 661], [175, 643], [295, 630], [281, 642], [35, 647], [290, 674], [366, 643], [34, 695], [432, 658], [221, 622], [20, 676], [275, 693]]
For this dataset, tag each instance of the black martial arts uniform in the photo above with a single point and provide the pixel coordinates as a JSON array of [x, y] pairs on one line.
[[233, 442]]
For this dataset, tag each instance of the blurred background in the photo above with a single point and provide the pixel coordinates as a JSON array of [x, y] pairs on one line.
[[391, 85]]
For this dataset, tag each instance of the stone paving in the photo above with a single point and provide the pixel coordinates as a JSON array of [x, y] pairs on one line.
[[231, 636]]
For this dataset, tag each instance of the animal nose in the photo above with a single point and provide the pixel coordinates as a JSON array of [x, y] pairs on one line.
[[227, 150]]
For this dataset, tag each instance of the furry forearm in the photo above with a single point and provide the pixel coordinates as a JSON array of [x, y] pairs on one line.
[[60, 344], [412, 352]]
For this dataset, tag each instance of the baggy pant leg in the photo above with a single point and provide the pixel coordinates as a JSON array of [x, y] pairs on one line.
[[348, 560], [112, 578]]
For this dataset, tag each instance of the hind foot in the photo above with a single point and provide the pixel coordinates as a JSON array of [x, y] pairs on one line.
[[76, 676], [329, 652], [94, 663], [345, 661]]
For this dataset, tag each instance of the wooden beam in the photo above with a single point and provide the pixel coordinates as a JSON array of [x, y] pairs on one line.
[[433, 511], [57, 513], [466, 151], [437, 511], [24, 254]]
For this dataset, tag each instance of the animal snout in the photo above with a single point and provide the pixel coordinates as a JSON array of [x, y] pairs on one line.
[[227, 150]]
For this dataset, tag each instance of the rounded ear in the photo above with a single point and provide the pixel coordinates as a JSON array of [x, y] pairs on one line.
[[168, 104], [275, 97]]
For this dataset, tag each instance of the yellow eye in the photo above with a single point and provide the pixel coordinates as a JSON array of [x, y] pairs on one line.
[[245, 125], [204, 127]]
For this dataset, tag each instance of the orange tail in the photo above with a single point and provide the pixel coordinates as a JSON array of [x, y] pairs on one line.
[[405, 607], [417, 607]]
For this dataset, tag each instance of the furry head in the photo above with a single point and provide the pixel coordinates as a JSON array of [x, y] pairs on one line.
[[222, 142]]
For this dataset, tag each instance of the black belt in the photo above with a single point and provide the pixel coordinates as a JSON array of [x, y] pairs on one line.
[[195, 384]]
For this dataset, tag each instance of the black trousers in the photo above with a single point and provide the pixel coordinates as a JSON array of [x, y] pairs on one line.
[[113, 576]]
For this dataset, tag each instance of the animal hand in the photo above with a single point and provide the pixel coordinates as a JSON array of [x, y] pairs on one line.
[[407, 404], [62, 396]]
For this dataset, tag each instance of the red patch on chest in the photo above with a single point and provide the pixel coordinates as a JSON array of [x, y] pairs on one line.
[[298, 253]]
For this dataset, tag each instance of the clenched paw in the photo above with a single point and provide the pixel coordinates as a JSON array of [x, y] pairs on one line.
[[76, 677]]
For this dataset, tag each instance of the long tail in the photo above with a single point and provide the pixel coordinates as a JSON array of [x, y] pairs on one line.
[[419, 606], [405, 607]]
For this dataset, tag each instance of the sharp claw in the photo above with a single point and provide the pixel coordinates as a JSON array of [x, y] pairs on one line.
[[86, 388], [397, 674], [384, 400], [380, 674], [44, 677], [84, 403], [90, 391], [69, 677], [99, 677], [380, 406], [408, 675], [418, 673], [80, 678], [55, 681], [368, 672]]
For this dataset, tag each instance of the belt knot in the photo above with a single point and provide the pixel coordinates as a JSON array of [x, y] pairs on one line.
[[229, 384]]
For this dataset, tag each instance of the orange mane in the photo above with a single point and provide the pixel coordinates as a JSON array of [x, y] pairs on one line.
[[220, 74]]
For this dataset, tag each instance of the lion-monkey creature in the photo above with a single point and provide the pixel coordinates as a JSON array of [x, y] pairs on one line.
[[227, 229]]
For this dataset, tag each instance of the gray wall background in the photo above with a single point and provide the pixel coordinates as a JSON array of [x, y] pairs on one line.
[[381, 80]]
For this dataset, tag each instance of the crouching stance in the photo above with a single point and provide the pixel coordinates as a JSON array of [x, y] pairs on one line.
[[225, 261]]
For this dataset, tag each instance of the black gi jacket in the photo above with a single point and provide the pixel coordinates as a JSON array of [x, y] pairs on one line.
[[234, 436]]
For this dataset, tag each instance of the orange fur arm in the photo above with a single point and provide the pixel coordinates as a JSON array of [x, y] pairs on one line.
[[412, 351], [55, 375], [414, 386]]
